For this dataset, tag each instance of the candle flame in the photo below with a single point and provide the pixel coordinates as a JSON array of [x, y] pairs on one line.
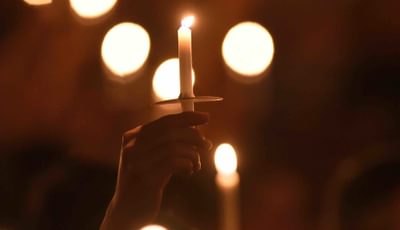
[[153, 227], [225, 159], [188, 21]]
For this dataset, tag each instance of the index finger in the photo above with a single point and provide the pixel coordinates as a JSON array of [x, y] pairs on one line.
[[185, 119]]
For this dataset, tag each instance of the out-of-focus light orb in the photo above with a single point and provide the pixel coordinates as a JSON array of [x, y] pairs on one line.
[[248, 49], [153, 227], [90, 9], [38, 2], [125, 48], [166, 81], [225, 159]]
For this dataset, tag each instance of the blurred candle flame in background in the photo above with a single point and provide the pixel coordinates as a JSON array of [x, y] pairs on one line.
[[38, 2], [90, 9], [153, 227], [125, 48], [225, 159], [248, 49], [166, 83], [228, 180]]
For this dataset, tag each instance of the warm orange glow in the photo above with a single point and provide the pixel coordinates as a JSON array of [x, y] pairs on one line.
[[125, 48], [90, 9], [38, 2], [166, 81], [248, 49], [187, 21], [225, 159], [153, 227]]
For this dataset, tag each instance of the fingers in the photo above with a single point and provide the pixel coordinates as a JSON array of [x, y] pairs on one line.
[[162, 157], [171, 128], [190, 136], [180, 158], [164, 147], [182, 143], [185, 119], [181, 151], [180, 166]]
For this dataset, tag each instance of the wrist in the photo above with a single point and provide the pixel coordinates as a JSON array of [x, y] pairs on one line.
[[133, 210], [119, 218]]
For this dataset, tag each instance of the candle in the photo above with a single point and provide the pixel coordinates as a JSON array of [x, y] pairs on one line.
[[185, 57], [227, 180], [187, 106]]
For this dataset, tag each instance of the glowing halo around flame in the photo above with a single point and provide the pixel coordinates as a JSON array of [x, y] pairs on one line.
[[125, 48], [91, 9], [248, 49]]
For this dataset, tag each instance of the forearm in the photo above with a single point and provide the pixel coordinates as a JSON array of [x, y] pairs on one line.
[[133, 212]]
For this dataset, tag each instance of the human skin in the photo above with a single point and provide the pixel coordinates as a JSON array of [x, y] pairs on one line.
[[150, 155]]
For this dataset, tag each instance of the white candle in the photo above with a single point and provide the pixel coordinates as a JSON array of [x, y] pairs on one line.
[[187, 106], [227, 180], [185, 57]]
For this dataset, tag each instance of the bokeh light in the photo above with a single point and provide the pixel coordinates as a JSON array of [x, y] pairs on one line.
[[125, 48], [248, 49], [166, 82], [38, 2], [225, 159], [153, 227], [90, 9]]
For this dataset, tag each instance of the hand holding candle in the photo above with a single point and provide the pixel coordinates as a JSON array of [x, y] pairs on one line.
[[150, 155]]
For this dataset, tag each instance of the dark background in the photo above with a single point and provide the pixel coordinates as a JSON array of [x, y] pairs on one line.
[[330, 93]]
